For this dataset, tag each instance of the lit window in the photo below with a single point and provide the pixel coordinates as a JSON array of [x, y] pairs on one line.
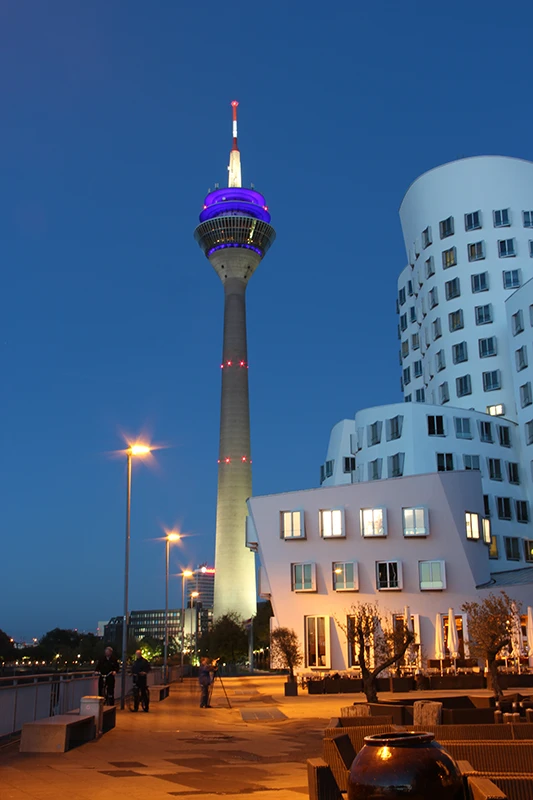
[[292, 525], [463, 385], [471, 463], [462, 428], [476, 251], [501, 218], [426, 237], [526, 397], [504, 508], [460, 353], [436, 426], [496, 411], [512, 548], [444, 462], [446, 227], [415, 522], [517, 323], [506, 248], [528, 219], [483, 314], [522, 510], [480, 282], [388, 575], [455, 320], [511, 278], [492, 380], [485, 527], [472, 525], [303, 577], [373, 522], [345, 576], [473, 221], [528, 550], [493, 549], [449, 258], [331, 523], [317, 642], [487, 347], [430, 267], [432, 575]]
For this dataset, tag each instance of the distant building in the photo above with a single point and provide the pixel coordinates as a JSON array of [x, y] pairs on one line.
[[145, 623], [203, 582]]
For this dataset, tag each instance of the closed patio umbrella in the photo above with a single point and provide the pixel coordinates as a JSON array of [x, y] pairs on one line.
[[517, 642], [530, 634], [453, 638], [439, 640]]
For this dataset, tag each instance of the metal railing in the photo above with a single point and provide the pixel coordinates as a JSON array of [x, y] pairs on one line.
[[30, 697]]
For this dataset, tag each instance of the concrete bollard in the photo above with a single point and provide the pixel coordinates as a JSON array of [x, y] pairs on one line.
[[93, 706]]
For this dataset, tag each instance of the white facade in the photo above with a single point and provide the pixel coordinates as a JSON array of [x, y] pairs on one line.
[[468, 231], [323, 550]]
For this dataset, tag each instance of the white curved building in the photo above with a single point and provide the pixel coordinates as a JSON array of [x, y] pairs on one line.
[[468, 231]]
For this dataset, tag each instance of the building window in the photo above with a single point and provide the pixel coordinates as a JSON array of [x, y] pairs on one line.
[[407, 398], [513, 472], [517, 323], [497, 410], [493, 549], [529, 431], [449, 258], [432, 575], [521, 358], [476, 251], [401, 296], [487, 347], [455, 320], [504, 435], [345, 576], [426, 237], [444, 393], [317, 648], [303, 577], [436, 328], [412, 314], [495, 469], [331, 523], [329, 467], [292, 525], [349, 464], [472, 525], [528, 550], [473, 221], [433, 298], [407, 376], [525, 395], [486, 505], [492, 380], [388, 575], [415, 521], [420, 396], [462, 428], [395, 464], [417, 368], [452, 289], [374, 433], [521, 510], [459, 353], [506, 248], [501, 218], [410, 288], [504, 508], [446, 228], [415, 341], [512, 548], [480, 282], [485, 432], [483, 314], [530, 248], [445, 462], [430, 267], [394, 427], [471, 463], [463, 385], [528, 219], [440, 360], [436, 426], [374, 469], [485, 528], [373, 522], [403, 322], [511, 279]]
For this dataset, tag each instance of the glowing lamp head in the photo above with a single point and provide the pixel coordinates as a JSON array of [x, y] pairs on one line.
[[172, 536], [187, 573], [195, 594], [203, 569], [139, 450], [234, 103]]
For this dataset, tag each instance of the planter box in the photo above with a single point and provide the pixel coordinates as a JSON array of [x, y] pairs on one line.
[[510, 681], [316, 687], [291, 689], [401, 684], [351, 685]]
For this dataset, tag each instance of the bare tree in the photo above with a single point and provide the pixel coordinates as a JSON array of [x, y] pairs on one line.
[[489, 628], [285, 649], [376, 642]]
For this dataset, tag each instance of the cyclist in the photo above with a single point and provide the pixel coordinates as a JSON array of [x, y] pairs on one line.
[[107, 667], [140, 669]]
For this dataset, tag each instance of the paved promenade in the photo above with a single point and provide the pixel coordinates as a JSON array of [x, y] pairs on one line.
[[257, 747]]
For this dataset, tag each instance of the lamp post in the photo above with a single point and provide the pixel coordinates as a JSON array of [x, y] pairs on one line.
[[133, 450], [194, 598], [187, 573], [170, 537]]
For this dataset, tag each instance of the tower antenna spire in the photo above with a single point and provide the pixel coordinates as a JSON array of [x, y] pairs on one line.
[[234, 169]]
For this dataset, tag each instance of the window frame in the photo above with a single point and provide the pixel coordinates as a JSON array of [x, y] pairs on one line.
[[362, 523], [338, 512], [442, 581], [472, 526], [303, 564], [337, 565], [418, 532], [399, 576], [291, 537]]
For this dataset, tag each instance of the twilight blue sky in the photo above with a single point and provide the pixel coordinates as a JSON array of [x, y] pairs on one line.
[[115, 122]]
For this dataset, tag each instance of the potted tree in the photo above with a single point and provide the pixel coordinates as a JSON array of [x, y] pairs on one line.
[[285, 651]]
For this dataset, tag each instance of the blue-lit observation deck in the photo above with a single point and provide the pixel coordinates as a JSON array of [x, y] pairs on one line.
[[234, 217]]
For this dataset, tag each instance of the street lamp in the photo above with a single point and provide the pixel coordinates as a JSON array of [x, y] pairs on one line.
[[194, 597], [170, 537], [133, 450], [187, 573]]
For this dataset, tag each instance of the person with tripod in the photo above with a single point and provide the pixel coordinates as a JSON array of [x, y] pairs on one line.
[[206, 676]]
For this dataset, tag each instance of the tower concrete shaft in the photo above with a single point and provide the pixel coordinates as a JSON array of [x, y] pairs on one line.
[[234, 233]]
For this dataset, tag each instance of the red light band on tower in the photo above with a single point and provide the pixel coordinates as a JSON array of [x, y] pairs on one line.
[[234, 104]]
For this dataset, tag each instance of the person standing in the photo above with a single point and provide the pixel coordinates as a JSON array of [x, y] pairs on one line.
[[140, 669], [205, 679], [107, 667]]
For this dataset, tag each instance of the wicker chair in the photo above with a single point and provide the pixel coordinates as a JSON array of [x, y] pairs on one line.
[[483, 789], [476, 733], [514, 787], [321, 781], [339, 754], [357, 710], [355, 722], [504, 757]]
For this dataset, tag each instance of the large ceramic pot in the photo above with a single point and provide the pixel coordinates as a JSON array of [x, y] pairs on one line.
[[410, 766]]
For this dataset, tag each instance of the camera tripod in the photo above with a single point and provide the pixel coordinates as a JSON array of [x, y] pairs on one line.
[[215, 676]]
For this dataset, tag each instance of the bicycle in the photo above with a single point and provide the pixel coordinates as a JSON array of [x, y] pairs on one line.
[[104, 688], [137, 697]]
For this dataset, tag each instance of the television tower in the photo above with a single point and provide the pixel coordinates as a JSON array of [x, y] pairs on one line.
[[234, 234]]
